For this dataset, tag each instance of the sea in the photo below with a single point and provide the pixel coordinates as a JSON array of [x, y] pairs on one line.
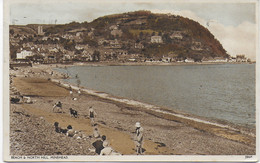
[[224, 92]]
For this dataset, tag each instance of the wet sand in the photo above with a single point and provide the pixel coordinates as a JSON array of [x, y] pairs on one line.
[[165, 132]]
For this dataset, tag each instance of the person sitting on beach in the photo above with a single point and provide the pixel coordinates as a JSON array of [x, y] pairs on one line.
[[79, 135], [57, 128], [96, 133], [108, 150], [138, 138], [98, 144], [58, 105], [70, 131], [64, 131], [92, 115], [74, 113]]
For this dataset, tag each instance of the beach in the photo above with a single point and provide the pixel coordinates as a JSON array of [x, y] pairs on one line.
[[166, 132]]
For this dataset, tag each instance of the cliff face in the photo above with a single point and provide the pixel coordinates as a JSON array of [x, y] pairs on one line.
[[146, 34]]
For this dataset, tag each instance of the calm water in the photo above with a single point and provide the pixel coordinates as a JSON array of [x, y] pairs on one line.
[[225, 92]]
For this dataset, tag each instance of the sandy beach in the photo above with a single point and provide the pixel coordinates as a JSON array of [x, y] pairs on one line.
[[166, 132]]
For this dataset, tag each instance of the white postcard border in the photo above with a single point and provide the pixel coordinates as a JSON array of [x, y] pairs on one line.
[[161, 158]]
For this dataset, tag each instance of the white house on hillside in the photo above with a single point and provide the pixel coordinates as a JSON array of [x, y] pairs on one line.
[[189, 60], [221, 59], [176, 35], [156, 39], [24, 54]]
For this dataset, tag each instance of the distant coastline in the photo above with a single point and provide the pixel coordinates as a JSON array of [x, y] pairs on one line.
[[146, 63]]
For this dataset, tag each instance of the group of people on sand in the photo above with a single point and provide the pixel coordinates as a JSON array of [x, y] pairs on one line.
[[100, 143], [58, 105], [102, 146], [69, 131]]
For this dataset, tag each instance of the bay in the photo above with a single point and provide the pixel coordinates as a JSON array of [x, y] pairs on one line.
[[221, 91]]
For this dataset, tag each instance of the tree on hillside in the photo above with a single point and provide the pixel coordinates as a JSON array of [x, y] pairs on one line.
[[126, 34], [141, 34], [96, 56], [197, 57], [166, 38], [78, 54], [69, 45], [13, 51], [11, 31], [111, 37]]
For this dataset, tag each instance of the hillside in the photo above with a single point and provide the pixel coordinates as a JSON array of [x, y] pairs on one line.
[[143, 33]]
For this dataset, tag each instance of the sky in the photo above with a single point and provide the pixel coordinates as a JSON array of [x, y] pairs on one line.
[[233, 24]]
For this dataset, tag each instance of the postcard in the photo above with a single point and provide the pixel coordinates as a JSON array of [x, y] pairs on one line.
[[139, 80]]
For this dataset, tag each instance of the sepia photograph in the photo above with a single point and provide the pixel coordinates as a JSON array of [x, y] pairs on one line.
[[139, 80]]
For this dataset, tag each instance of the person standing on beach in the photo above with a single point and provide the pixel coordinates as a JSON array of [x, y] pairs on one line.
[[139, 138], [92, 115], [98, 144], [58, 105]]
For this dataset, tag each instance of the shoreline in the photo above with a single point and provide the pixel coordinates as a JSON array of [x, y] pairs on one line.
[[123, 107], [152, 107], [104, 63], [213, 121], [161, 110]]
